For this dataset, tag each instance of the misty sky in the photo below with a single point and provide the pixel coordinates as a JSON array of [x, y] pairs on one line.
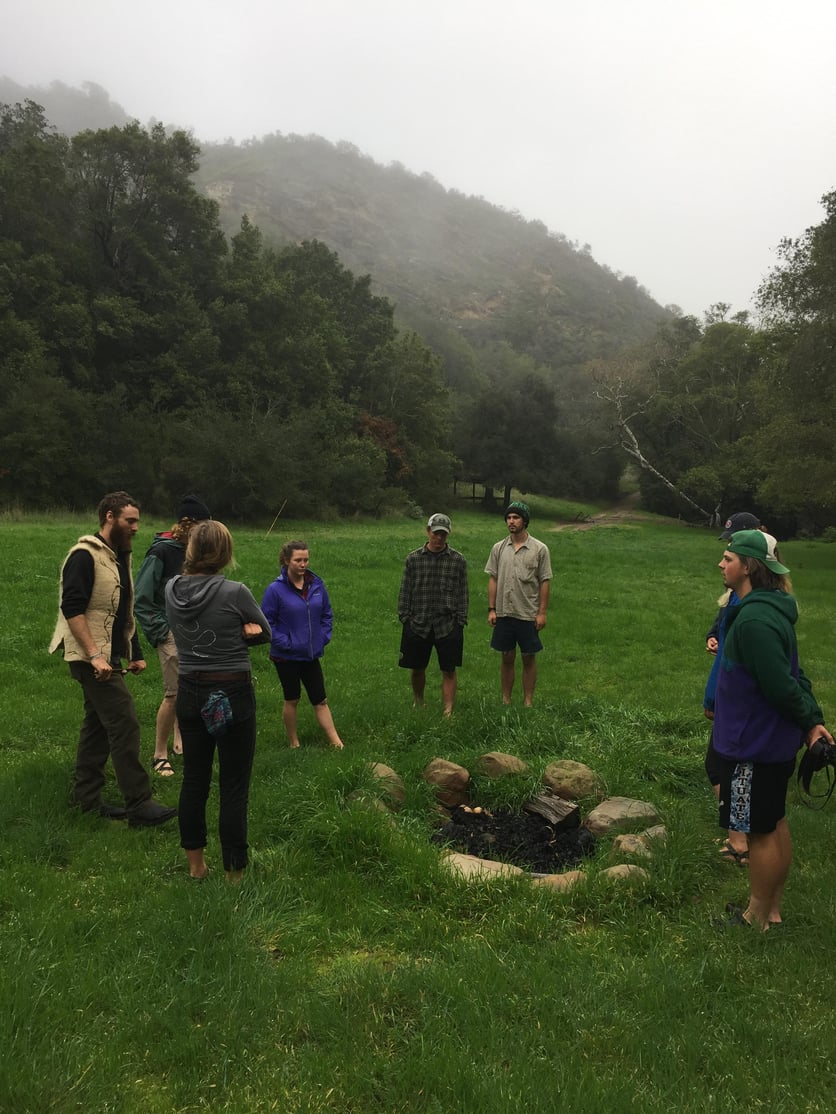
[[681, 140]]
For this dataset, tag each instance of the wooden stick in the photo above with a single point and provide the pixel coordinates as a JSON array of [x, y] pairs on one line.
[[276, 519]]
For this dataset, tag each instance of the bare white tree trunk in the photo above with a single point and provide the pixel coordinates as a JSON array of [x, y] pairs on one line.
[[628, 441]]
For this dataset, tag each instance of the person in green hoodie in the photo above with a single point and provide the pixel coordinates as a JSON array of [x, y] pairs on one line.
[[164, 560], [764, 711]]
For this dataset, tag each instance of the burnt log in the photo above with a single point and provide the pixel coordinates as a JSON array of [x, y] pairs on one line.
[[561, 814]]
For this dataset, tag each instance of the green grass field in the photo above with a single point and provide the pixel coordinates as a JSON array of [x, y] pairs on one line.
[[349, 972]]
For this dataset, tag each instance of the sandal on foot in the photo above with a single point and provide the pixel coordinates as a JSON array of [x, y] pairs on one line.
[[728, 852], [732, 918], [162, 766]]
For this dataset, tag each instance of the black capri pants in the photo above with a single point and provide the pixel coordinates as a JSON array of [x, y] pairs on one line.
[[294, 674]]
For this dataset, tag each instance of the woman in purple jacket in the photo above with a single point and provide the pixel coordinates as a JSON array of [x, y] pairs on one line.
[[297, 607]]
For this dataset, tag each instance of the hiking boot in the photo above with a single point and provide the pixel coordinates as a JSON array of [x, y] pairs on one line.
[[150, 814], [106, 811]]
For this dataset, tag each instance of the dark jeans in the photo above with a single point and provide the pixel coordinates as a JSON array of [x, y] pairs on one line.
[[110, 728], [236, 749]]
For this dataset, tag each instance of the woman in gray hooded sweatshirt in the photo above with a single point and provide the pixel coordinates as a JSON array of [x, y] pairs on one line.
[[214, 622]]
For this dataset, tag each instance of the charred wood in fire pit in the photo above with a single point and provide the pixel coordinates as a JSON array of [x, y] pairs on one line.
[[524, 839], [563, 815]]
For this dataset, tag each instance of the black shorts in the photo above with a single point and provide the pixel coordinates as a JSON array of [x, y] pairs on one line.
[[416, 651], [510, 633], [294, 674], [753, 795]]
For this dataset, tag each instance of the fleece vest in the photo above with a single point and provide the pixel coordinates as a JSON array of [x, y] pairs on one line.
[[102, 608]]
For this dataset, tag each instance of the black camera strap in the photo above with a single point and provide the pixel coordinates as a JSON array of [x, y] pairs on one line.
[[821, 755]]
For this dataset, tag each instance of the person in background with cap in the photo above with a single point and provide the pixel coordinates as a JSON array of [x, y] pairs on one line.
[[519, 578], [735, 847], [432, 606], [164, 560], [764, 711]]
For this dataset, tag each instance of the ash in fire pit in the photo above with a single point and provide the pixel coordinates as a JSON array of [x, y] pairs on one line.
[[524, 839]]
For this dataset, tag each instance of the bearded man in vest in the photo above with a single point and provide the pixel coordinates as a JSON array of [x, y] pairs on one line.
[[96, 630]]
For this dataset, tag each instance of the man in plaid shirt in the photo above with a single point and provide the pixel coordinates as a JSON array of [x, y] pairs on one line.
[[432, 606]]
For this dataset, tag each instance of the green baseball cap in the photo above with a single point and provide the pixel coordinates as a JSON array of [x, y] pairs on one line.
[[754, 543]]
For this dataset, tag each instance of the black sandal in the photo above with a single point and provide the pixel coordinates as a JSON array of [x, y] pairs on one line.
[[728, 852]]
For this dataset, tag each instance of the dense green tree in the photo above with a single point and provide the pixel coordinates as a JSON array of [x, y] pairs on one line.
[[166, 358], [36, 198], [149, 227], [411, 397], [153, 251], [508, 432], [794, 444], [682, 409]]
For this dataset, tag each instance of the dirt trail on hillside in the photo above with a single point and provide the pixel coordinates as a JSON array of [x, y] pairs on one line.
[[622, 514]]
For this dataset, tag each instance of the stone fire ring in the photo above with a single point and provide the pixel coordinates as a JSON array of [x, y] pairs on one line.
[[564, 779]]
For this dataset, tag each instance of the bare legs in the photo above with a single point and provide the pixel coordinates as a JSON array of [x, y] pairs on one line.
[[449, 684], [289, 720], [507, 676], [418, 678], [323, 717], [326, 722], [197, 864], [770, 855], [166, 725], [199, 870]]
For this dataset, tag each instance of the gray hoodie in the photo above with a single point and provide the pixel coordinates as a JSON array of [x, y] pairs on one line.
[[206, 615]]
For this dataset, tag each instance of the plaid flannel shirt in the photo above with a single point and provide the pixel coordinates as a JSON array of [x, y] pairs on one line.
[[434, 598]]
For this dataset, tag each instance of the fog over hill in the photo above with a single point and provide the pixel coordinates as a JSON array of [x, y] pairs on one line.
[[457, 268], [447, 261], [513, 314]]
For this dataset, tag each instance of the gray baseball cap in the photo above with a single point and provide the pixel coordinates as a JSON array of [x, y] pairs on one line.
[[439, 522]]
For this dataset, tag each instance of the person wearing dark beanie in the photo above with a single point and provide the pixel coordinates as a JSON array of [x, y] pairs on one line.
[[164, 560], [519, 508], [193, 508], [519, 579]]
